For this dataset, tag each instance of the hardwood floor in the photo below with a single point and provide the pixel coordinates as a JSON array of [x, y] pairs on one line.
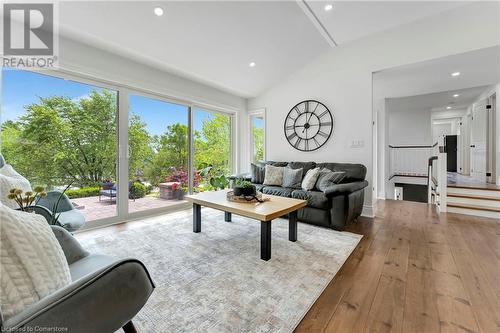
[[415, 271]]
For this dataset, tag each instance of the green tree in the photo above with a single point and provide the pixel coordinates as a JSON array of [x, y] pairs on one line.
[[141, 147], [171, 153], [213, 147], [59, 140], [258, 143]]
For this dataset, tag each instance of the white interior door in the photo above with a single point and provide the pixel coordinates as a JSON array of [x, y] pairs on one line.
[[478, 140]]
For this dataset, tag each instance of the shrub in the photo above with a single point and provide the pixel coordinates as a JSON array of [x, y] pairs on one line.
[[181, 176], [82, 192], [138, 190]]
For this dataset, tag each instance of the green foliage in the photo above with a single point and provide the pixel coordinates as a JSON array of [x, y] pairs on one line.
[[59, 140], [243, 183], [258, 143], [82, 192], [219, 183], [138, 190]]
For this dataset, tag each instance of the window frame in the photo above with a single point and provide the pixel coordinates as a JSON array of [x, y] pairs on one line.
[[251, 114], [123, 91]]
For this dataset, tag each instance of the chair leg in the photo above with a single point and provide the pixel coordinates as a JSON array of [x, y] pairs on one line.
[[129, 327]]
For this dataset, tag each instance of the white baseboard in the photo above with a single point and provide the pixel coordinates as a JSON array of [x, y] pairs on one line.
[[367, 211]]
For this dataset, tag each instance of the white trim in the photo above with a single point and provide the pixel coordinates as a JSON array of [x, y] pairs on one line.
[[96, 224], [316, 22], [252, 113], [368, 211]]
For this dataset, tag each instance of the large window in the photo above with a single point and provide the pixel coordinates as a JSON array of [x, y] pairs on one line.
[[257, 132], [159, 151], [59, 133]]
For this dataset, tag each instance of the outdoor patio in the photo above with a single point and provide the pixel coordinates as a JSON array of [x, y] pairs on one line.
[[93, 209]]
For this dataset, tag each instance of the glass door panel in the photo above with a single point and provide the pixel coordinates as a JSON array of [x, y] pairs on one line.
[[212, 148], [61, 134], [158, 153]]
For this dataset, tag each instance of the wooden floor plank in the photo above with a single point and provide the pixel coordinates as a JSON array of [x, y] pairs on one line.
[[445, 284]]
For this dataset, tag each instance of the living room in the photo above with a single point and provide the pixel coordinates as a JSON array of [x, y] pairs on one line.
[[139, 153]]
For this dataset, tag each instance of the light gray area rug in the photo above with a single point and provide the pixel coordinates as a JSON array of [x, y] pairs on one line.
[[215, 281]]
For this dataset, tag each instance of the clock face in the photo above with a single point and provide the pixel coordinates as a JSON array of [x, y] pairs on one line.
[[308, 125]]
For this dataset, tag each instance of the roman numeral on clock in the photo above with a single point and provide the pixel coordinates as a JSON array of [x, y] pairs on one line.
[[291, 136]]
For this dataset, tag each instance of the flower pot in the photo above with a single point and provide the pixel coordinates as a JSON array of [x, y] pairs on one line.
[[180, 194], [244, 191]]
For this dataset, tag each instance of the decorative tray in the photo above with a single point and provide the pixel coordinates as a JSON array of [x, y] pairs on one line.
[[246, 199]]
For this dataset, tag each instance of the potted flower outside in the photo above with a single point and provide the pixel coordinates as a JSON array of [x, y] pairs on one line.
[[243, 188]]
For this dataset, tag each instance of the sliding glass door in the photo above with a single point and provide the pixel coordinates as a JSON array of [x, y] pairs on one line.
[[62, 134], [212, 155], [158, 153]]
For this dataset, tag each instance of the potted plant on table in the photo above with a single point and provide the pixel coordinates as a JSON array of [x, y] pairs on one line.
[[243, 188]]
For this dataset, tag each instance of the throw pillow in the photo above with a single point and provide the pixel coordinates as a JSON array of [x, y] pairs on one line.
[[310, 179], [274, 175], [328, 179], [32, 262], [292, 177], [9, 179], [258, 173]]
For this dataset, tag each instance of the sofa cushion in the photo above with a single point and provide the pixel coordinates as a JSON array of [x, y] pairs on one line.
[[306, 166], [328, 178], [258, 187], [274, 175], [258, 172], [353, 172], [310, 179], [278, 190], [273, 163], [314, 198], [292, 177]]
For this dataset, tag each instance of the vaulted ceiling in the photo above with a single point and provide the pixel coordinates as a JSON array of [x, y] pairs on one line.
[[215, 41]]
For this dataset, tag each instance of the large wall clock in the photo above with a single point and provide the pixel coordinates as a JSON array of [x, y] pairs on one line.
[[308, 125]]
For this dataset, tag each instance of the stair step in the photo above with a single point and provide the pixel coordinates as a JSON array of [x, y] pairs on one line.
[[484, 187], [474, 207], [473, 192], [473, 196]]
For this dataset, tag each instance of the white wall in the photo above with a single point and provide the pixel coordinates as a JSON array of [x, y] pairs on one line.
[[409, 127], [342, 79]]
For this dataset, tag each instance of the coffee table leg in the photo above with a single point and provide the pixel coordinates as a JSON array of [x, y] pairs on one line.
[[196, 218], [227, 216], [292, 226], [265, 240]]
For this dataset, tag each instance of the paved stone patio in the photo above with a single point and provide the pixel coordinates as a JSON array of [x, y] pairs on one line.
[[95, 209]]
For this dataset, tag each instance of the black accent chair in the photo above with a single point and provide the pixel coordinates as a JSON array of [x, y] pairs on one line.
[[335, 207]]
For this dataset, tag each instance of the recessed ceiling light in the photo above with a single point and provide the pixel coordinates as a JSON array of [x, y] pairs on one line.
[[252, 64], [455, 74], [456, 95], [158, 11], [328, 7], [448, 107]]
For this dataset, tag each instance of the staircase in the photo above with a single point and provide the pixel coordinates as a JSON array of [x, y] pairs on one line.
[[477, 201]]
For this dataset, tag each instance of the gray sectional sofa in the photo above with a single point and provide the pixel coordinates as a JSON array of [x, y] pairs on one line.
[[338, 205]]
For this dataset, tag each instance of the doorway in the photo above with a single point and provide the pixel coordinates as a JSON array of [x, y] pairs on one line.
[[450, 144]]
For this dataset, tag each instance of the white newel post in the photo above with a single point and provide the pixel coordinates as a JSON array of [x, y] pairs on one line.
[[442, 180]]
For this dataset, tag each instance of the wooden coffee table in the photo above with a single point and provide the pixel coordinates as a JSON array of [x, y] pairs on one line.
[[265, 212]]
